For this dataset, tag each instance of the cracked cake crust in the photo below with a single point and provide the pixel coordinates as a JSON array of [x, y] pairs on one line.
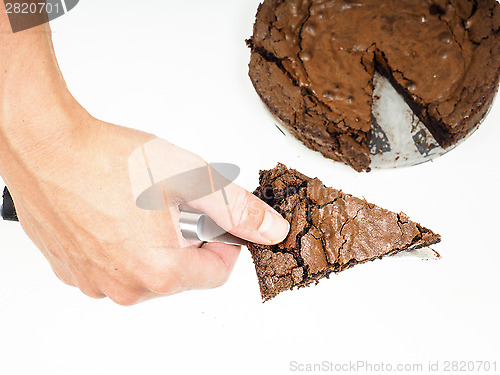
[[330, 231], [313, 62]]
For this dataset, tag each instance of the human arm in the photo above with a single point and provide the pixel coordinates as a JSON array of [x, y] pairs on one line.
[[69, 176]]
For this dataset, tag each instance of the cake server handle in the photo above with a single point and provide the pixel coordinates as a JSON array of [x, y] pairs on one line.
[[201, 227], [7, 209]]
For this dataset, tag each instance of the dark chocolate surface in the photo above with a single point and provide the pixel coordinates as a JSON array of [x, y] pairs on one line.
[[330, 231], [313, 63]]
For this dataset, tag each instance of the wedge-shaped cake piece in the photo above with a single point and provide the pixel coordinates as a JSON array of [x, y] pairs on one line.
[[330, 231]]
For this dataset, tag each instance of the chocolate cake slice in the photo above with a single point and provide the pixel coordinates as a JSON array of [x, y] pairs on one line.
[[330, 231], [313, 63]]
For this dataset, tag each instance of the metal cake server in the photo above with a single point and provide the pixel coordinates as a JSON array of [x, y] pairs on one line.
[[200, 227]]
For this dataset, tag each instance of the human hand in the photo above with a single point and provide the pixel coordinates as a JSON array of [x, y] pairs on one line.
[[75, 201]]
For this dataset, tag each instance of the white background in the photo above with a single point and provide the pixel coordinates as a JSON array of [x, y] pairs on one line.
[[179, 69]]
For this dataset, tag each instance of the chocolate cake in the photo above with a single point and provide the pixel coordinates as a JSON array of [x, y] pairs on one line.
[[313, 63], [330, 231]]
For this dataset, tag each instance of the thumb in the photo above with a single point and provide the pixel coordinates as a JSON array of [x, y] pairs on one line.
[[243, 215]]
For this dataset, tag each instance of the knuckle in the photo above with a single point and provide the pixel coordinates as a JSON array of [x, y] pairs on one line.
[[61, 274], [161, 283], [126, 297], [161, 277], [249, 211], [241, 204], [222, 280], [64, 280], [92, 293], [87, 287]]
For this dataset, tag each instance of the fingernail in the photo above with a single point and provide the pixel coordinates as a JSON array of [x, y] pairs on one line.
[[274, 228]]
